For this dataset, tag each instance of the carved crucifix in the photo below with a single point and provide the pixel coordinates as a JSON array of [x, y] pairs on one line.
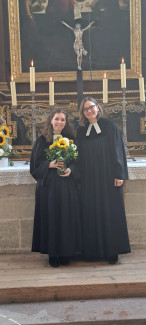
[[78, 44]]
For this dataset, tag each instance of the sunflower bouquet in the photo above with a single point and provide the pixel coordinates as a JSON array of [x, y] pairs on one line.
[[64, 149], [5, 147]]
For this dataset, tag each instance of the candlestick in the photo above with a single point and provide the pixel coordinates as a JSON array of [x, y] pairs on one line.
[[51, 92], [105, 89], [141, 89], [13, 92], [123, 74], [32, 77]]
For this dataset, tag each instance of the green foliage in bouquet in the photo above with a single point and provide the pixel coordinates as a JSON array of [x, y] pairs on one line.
[[62, 148]]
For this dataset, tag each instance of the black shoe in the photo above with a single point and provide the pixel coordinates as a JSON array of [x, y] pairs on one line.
[[113, 259], [54, 261], [63, 260]]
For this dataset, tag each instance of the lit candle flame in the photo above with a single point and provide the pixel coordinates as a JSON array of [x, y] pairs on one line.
[[50, 78], [31, 63], [104, 75], [12, 79], [123, 60]]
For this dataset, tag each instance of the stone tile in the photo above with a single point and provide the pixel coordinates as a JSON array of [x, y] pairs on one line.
[[136, 186], [137, 241], [99, 311], [137, 222], [17, 208], [9, 234], [25, 190], [135, 203], [137, 230], [26, 233], [17, 191]]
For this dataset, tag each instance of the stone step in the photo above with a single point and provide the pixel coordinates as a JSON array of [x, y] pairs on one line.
[[100, 311]]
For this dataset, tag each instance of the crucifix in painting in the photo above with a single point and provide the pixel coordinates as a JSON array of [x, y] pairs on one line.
[[78, 44]]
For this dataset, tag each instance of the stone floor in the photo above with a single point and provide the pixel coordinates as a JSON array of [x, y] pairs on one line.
[[101, 311]]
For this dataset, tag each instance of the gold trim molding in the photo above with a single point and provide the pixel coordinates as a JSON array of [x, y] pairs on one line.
[[15, 50]]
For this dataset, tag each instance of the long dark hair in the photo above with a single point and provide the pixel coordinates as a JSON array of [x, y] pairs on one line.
[[48, 129], [82, 118]]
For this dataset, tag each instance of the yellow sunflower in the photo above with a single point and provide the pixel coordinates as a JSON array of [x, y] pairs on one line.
[[2, 139], [71, 141], [52, 145], [5, 130], [62, 143]]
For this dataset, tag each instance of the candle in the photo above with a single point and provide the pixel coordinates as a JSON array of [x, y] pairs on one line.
[[105, 89], [123, 74], [141, 89], [32, 77], [51, 92], [13, 92]]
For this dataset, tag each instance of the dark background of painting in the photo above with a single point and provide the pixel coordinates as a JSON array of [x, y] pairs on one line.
[[50, 43]]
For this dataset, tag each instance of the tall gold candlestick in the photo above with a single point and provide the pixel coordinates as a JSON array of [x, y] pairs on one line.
[[105, 89], [13, 92], [51, 92], [32, 77], [141, 89], [123, 74]]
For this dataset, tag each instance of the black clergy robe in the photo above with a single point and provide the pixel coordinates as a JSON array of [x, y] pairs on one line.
[[57, 228], [102, 159]]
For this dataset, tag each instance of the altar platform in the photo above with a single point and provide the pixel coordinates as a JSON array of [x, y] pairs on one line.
[[29, 278]]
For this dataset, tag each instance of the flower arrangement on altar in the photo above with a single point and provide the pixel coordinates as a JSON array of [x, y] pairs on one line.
[[5, 147], [62, 148]]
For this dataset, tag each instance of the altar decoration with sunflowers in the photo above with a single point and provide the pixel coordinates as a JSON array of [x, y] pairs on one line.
[[5, 147], [64, 149]]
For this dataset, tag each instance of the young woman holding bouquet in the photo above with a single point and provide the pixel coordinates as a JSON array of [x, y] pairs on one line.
[[103, 169], [57, 229]]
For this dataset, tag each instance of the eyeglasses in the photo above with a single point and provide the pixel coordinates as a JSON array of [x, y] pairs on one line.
[[86, 109]]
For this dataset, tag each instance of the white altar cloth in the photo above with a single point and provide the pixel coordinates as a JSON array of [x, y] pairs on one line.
[[19, 173], [16, 175], [137, 168]]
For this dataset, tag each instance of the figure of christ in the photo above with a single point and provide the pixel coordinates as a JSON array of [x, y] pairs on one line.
[[78, 44]]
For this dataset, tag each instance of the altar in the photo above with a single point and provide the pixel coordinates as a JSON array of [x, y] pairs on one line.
[[17, 199]]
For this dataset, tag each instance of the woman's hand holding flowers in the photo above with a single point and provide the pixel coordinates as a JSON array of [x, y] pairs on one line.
[[67, 172], [57, 163]]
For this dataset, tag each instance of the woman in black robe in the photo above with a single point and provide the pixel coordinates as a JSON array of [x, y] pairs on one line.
[[103, 169], [57, 229]]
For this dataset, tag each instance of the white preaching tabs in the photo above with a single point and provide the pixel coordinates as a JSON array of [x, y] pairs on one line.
[[96, 126]]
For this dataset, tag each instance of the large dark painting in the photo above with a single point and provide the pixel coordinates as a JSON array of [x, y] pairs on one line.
[[36, 32], [45, 39]]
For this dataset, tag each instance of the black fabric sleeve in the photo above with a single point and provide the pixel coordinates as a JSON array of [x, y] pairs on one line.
[[121, 170], [39, 165]]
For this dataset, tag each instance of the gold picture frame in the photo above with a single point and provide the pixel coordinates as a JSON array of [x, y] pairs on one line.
[[15, 50], [143, 125]]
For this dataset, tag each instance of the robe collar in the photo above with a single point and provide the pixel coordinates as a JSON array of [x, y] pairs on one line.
[[96, 127]]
